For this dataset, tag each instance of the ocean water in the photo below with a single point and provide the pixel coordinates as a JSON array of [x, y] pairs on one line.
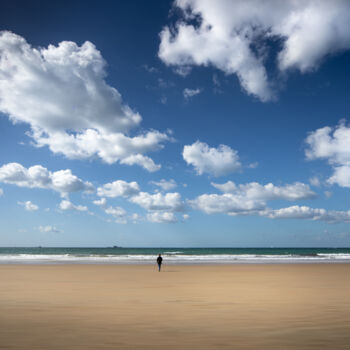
[[42, 255]]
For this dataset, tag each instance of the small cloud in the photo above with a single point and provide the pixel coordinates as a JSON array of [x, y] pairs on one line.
[[214, 161], [150, 69], [118, 213], [1, 192], [163, 100], [161, 217], [29, 206], [101, 202], [186, 216], [67, 205], [184, 71], [165, 185], [253, 165], [49, 229], [315, 181], [191, 92], [217, 85]]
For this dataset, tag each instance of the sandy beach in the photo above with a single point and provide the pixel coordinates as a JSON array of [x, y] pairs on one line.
[[289, 306]]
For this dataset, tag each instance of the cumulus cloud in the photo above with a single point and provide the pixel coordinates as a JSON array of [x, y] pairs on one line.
[[118, 188], [214, 161], [304, 212], [333, 145], [235, 37], [61, 93], [191, 92], [170, 202], [254, 190], [249, 199], [162, 217], [48, 229], [62, 181], [165, 185], [67, 205], [227, 203], [29, 206]]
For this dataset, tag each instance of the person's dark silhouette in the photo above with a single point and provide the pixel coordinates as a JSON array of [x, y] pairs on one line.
[[159, 262]]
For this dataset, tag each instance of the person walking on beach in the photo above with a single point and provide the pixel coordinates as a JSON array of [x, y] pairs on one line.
[[159, 262]]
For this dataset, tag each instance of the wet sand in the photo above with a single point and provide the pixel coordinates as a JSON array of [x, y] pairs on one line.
[[183, 307]]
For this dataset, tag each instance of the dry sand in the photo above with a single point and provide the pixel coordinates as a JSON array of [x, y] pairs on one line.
[[183, 307]]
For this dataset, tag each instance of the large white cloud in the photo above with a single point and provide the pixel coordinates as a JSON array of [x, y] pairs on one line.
[[254, 190], [61, 93], [118, 188], [37, 176], [249, 198], [215, 161], [332, 144], [234, 36]]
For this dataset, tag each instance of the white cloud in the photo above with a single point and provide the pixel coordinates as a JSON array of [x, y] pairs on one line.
[[170, 202], [304, 212], [341, 176], [141, 160], [61, 93], [191, 92], [101, 202], [184, 71], [29, 206], [227, 203], [234, 36], [49, 229], [165, 185], [37, 176], [1, 192], [118, 188], [67, 205], [215, 161], [249, 199], [254, 190], [332, 144], [135, 218], [118, 213], [185, 216], [162, 217]]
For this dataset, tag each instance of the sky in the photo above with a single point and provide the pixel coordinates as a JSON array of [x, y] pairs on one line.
[[189, 123]]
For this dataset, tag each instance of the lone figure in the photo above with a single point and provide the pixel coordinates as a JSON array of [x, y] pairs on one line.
[[159, 262]]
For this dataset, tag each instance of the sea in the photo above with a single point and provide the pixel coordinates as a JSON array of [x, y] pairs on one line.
[[118, 255]]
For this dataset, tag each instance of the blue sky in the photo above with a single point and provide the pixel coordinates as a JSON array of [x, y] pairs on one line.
[[187, 123]]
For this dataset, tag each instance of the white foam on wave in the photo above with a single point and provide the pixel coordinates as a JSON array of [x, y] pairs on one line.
[[173, 258]]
